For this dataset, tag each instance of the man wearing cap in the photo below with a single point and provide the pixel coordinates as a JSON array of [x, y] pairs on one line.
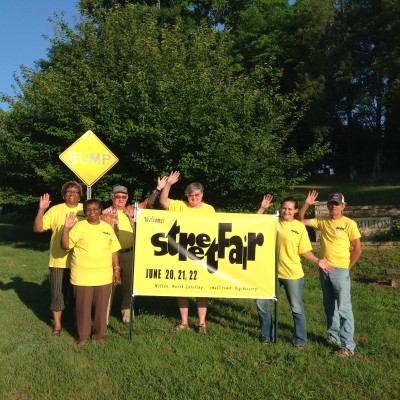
[[120, 217], [337, 234]]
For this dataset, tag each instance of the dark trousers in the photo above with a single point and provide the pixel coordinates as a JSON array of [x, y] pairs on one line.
[[60, 288], [85, 298]]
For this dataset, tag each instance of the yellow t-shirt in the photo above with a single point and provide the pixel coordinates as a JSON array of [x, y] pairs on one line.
[[336, 235], [54, 219], [92, 247], [125, 234], [179, 205], [293, 240]]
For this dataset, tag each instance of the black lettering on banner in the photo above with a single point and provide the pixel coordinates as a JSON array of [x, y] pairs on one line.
[[201, 247]]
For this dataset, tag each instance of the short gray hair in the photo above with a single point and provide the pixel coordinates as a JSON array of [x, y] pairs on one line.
[[193, 187]]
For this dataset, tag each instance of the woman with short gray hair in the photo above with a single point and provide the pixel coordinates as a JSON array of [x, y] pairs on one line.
[[194, 193]]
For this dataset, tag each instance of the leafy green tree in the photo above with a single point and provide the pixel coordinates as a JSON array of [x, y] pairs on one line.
[[162, 98], [291, 38], [341, 58], [367, 71]]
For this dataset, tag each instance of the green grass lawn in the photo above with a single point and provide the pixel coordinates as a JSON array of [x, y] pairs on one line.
[[228, 363], [160, 363], [357, 192]]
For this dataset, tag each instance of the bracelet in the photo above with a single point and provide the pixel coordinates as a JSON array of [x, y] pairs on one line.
[[117, 268], [158, 190]]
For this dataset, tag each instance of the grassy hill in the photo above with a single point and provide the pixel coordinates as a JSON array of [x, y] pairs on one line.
[[360, 191]]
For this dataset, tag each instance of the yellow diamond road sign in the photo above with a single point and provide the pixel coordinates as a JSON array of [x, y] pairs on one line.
[[89, 158]]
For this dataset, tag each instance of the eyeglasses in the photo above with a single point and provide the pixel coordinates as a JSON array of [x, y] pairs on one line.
[[72, 192], [120, 197], [194, 195], [92, 209]]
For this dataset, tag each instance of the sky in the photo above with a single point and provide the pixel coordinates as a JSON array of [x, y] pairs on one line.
[[22, 26]]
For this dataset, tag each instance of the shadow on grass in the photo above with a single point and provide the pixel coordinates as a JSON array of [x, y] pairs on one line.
[[36, 298], [221, 311], [157, 305], [232, 317], [21, 236], [379, 282]]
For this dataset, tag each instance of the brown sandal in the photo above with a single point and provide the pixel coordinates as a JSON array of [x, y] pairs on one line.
[[81, 342], [202, 329], [56, 332], [181, 327]]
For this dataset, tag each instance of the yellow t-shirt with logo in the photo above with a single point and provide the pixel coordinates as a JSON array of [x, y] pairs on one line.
[[54, 219], [125, 234], [92, 246], [179, 205], [336, 235], [293, 241]]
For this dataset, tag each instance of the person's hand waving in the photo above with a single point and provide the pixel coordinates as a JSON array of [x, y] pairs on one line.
[[44, 202], [161, 181], [312, 197], [266, 201], [70, 220], [174, 177]]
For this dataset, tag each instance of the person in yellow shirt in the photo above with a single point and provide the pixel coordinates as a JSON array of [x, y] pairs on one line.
[[338, 234], [293, 241], [59, 262], [94, 247], [194, 193], [120, 216]]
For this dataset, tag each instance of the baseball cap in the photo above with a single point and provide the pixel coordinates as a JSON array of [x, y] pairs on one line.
[[337, 197], [120, 189]]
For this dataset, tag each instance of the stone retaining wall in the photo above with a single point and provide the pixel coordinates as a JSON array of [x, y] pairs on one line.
[[377, 245], [370, 219]]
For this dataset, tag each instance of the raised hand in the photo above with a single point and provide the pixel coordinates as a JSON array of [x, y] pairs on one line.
[[312, 197], [161, 181], [44, 202], [174, 177], [70, 220], [266, 201]]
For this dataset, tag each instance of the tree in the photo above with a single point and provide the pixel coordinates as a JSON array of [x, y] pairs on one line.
[[341, 59], [293, 39], [162, 98], [367, 71]]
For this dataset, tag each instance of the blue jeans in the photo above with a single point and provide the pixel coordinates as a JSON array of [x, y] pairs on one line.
[[294, 293], [338, 309]]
